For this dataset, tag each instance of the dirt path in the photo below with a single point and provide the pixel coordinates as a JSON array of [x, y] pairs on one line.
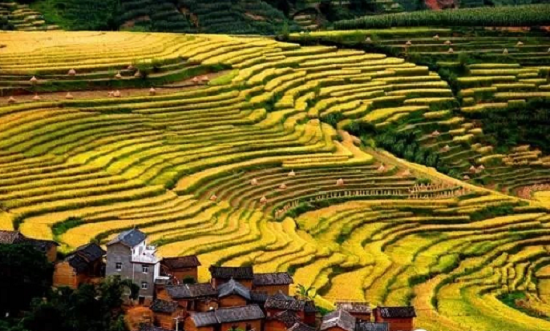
[[175, 87]]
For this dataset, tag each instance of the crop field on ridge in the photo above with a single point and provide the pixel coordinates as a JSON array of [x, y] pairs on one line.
[[265, 164]]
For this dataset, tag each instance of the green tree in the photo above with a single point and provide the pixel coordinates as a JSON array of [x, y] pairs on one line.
[[90, 308], [25, 274]]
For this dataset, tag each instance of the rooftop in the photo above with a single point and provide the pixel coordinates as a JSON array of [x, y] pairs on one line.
[[397, 312], [233, 287], [130, 238], [188, 261], [162, 306], [273, 278], [227, 315], [355, 307], [184, 291], [339, 318], [238, 273]]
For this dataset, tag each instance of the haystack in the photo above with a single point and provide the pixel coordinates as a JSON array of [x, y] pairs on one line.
[[152, 91], [137, 74], [340, 182], [408, 43], [466, 177], [116, 94], [481, 167], [505, 51], [36, 97], [196, 80], [254, 181], [450, 51], [205, 79], [519, 44], [473, 169], [131, 67], [213, 197], [448, 42], [291, 173], [436, 37], [263, 199], [436, 133], [283, 186], [368, 40], [118, 75], [11, 100], [72, 72], [406, 173], [34, 80], [381, 168], [69, 96], [446, 148], [111, 93]]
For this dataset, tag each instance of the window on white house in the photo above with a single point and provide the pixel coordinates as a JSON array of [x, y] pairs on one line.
[[118, 266], [145, 269], [144, 285]]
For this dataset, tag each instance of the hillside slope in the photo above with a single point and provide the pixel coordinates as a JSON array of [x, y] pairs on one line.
[[252, 168]]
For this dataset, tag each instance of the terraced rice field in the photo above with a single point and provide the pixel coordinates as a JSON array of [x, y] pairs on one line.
[[250, 168]]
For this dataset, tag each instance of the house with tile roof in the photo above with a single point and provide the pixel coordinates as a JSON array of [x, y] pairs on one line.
[[166, 314], [360, 310], [398, 318], [248, 318], [191, 297], [130, 257], [81, 266], [181, 268], [221, 275], [272, 282], [280, 302], [48, 247]]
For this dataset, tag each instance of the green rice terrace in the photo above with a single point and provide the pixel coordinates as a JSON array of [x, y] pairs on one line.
[[399, 166]]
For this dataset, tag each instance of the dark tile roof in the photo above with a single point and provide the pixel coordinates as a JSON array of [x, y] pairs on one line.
[[78, 263], [233, 287], [289, 318], [163, 306], [338, 318], [204, 319], [370, 326], [274, 278], [90, 252], [237, 273], [397, 312], [301, 327], [258, 297], [355, 307], [188, 291], [280, 301], [16, 237], [130, 238], [227, 315], [174, 263], [151, 328]]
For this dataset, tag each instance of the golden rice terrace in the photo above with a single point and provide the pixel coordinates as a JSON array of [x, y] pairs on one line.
[[238, 150]]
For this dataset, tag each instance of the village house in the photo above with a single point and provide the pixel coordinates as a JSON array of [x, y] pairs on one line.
[[233, 294], [221, 275], [79, 267], [129, 257], [281, 321], [166, 313], [338, 320], [181, 267], [280, 302], [398, 318], [272, 283], [48, 247], [248, 318], [191, 297], [360, 310]]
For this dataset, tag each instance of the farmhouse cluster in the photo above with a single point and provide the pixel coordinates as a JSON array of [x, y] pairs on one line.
[[236, 298]]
